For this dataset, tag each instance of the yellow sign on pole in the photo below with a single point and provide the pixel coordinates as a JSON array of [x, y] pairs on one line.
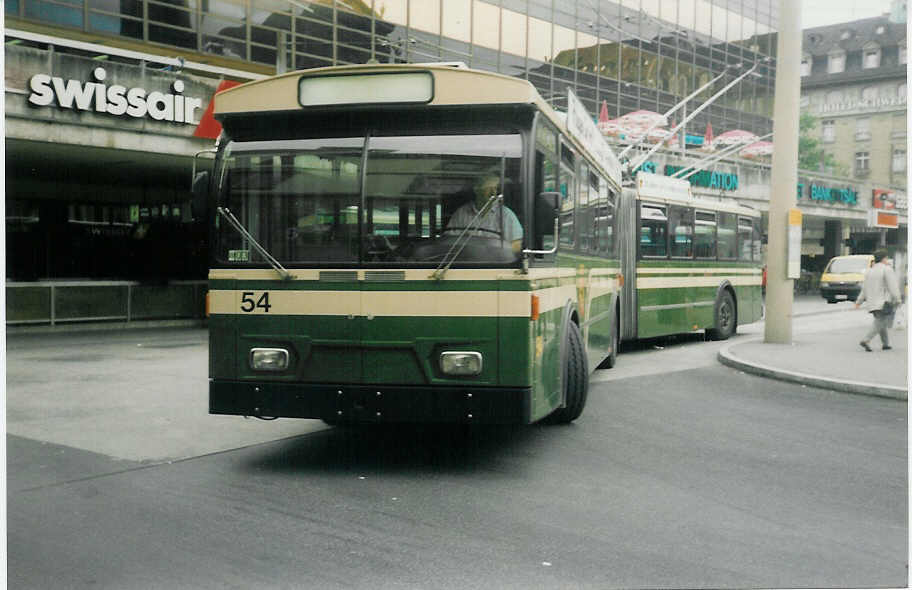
[[793, 270]]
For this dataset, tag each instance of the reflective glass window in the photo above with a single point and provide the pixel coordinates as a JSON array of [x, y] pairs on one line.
[[513, 34], [425, 15], [653, 230], [584, 215], [705, 234], [745, 238], [681, 226], [457, 19], [539, 39], [486, 25], [567, 188], [727, 237], [392, 11]]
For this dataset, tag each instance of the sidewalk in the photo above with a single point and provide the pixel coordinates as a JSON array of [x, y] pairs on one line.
[[829, 358]]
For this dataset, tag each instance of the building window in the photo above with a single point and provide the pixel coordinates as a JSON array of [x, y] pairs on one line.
[[871, 54], [902, 54], [829, 131], [806, 62], [836, 62], [901, 91], [899, 159], [834, 97], [862, 129], [869, 93], [862, 162]]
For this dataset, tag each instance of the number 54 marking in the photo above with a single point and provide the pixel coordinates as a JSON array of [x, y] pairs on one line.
[[249, 304]]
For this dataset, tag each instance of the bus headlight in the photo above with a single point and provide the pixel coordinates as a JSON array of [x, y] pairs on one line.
[[268, 359], [460, 363]]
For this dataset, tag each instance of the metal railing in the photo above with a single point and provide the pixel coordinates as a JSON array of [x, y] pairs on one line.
[[59, 302]]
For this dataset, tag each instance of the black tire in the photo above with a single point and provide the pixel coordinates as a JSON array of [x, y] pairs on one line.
[[725, 319], [576, 384], [611, 359], [831, 301]]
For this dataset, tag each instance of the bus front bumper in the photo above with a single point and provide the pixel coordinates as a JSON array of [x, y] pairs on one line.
[[371, 403]]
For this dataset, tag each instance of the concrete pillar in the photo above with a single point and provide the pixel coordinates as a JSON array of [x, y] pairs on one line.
[[832, 238], [784, 176]]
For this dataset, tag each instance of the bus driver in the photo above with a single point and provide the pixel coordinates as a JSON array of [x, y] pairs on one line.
[[498, 219]]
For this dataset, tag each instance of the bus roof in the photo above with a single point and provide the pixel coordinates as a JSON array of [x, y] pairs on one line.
[[281, 92], [707, 205], [402, 85]]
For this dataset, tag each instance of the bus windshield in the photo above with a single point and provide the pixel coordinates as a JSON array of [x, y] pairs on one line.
[[405, 201]]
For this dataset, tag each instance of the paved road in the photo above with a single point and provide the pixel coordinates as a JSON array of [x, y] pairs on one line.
[[723, 480]]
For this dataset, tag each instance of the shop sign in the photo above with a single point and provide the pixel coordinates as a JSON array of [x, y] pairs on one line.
[[114, 100], [827, 194], [708, 178], [881, 218], [884, 199], [834, 107]]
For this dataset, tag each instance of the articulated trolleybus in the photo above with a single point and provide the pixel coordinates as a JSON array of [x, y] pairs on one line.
[[695, 263], [411, 243], [407, 243]]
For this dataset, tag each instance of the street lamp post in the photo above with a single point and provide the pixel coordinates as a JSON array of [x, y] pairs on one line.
[[784, 175]]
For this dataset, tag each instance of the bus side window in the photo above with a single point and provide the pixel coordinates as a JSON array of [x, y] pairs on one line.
[[583, 214], [727, 236], [545, 181], [567, 189], [681, 223], [653, 231], [705, 235], [595, 212], [745, 238], [608, 202], [758, 242]]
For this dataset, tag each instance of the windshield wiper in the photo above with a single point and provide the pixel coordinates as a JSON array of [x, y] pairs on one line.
[[470, 227], [233, 221]]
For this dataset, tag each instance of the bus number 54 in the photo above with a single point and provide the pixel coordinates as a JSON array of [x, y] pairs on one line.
[[249, 304]]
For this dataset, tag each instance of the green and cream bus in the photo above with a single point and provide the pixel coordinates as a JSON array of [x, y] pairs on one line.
[[694, 264], [360, 273], [430, 243]]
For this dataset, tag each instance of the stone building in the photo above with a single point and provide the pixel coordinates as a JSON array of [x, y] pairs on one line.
[[854, 85]]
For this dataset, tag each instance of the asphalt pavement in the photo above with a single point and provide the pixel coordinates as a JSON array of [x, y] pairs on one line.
[[829, 357]]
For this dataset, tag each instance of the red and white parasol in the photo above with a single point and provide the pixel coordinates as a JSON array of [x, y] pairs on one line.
[[644, 119], [734, 137], [758, 149]]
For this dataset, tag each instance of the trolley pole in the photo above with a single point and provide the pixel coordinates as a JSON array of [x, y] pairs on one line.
[[779, 288]]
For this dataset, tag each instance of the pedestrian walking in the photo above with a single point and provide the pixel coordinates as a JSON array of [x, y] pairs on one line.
[[880, 294]]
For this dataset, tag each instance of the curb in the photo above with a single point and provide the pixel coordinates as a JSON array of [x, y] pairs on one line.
[[726, 357]]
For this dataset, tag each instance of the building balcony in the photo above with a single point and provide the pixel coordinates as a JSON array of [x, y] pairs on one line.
[[862, 136]]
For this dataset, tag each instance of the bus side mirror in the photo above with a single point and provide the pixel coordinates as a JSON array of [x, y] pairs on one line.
[[546, 208], [200, 189]]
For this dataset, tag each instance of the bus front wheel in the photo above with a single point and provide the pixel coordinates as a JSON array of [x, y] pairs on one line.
[[725, 321], [576, 385]]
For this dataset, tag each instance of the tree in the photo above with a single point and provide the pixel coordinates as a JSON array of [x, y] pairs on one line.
[[811, 155]]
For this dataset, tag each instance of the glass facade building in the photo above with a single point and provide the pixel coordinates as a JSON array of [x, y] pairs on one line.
[[629, 54]]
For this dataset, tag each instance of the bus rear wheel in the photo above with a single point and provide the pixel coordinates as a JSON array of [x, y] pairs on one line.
[[725, 322], [576, 385]]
